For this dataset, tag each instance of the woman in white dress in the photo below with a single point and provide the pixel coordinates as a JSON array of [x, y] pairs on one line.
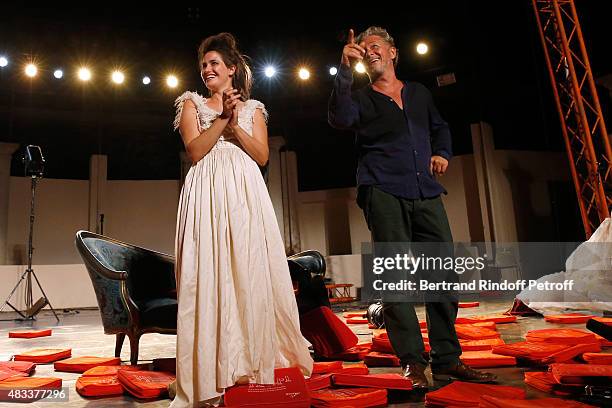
[[237, 314]]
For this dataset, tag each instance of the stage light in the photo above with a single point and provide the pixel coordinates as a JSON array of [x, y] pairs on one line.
[[3, 62], [84, 74], [333, 71], [359, 67], [58, 73], [118, 77], [31, 70], [422, 48], [270, 71], [146, 80], [304, 74], [172, 81]]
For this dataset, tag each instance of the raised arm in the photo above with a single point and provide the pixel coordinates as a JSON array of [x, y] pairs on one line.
[[342, 111]]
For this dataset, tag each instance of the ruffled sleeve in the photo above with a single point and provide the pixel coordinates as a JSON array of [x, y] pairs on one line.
[[180, 102], [255, 104]]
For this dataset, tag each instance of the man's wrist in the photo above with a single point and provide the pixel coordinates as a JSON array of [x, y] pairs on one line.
[[344, 78], [345, 72], [442, 153]]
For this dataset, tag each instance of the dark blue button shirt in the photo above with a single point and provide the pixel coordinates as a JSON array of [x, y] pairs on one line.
[[394, 145]]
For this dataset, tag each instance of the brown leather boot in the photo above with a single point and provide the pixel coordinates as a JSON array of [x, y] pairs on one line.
[[416, 373], [460, 371]]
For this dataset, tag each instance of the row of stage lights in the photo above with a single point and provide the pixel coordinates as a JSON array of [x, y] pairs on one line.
[[84, 74]]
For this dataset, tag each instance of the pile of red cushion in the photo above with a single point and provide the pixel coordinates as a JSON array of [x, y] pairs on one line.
[[333, 384]]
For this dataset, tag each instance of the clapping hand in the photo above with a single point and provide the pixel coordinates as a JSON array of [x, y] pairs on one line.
[[231, 97]]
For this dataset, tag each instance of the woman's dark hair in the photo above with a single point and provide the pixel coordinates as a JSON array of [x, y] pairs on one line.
[[225, 44]]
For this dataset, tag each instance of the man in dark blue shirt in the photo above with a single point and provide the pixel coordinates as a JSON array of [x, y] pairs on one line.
[[402, 143]]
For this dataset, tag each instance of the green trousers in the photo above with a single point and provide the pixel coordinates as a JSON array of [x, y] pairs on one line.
[[393, 219]]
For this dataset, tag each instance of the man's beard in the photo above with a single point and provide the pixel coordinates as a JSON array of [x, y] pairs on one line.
[[375, 74]]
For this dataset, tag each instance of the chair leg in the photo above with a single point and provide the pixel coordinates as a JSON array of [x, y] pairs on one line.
[[134, 339], [119, 344]]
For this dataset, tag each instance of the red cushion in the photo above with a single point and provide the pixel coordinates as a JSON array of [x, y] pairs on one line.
[[462, 394], [568, 318], [100, 371], [528, 349], [356, 320], [31, 383], [388, 381], [353, 368], [43, 355], [28, 383], [29, 334], [571, 352], [145, 384], [487, 401], [382, 344], [486, 325], [476, 345], [92, 386], [604, 320], [561, 336], [548, 382], [21, 366], [289, 390], [602, 341], [319, 381], [358, 313], [326, 332], [322, 367], [82, 364], [581, 373], [353, 354], [381, 334], [497, 318], [542, 381], [544, 353], [376, 359], [468, 304], [470, 332], [486, 358], [598, 358], [350, 397], [6, 372]]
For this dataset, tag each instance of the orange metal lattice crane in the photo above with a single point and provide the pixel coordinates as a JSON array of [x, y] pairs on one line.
[[582, 123]]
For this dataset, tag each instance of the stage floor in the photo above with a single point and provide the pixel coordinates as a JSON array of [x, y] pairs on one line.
[[82, 331]]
